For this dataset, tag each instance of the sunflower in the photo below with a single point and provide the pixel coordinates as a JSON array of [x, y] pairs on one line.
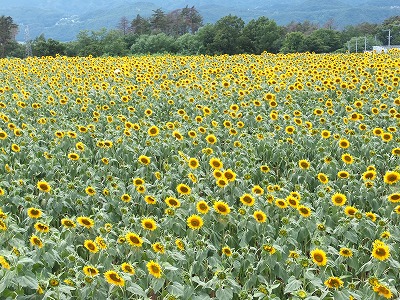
[[34, 213], [339, 199], [391, 177], [138, 181], [325, 134], [3, 225], [394, 198], [195, 222], [73, 156], [150, 199], [158, 247], [260, 216], [226, 251], [281, 203], [221, 207], [370, 215], [396, 151], [90, 191], [344, 144], [90, 271], [264, 169], [183, 189], [247, 199], [345, 252], [270, 249], [202, 207], [41, 227], [257, 190], [292, 201], [141, 189], [149, 224], [43, 186], [347, 158], [179, 244], [85, 221], [15, 148], [36, 241], [114, 278], [290, 129], [4, 263], [177, 135], [230, 175], [211, 139], [318, 256], [193, 163], [350, 211], [369, 175], [91, 246], [333, 282], [343, 174], [386, 137], [383, 290], [304, 164], [144, 160], [126, 198], [127, 268], [304, 211], [172, 202], [68, 223], [323, 178], [216, 163], [154, 269], [153, 131], [377, 131], [134, 239], [380, 250]]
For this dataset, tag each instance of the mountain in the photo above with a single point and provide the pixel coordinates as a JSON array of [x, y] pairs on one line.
[[62, 20]]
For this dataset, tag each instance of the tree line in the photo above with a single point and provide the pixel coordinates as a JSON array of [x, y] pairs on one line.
[[182, 32]]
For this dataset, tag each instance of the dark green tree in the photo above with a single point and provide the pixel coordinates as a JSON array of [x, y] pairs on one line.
[[206, 37], [192, 19], [392, 24], [154, 43], [323, 41], [8, 31], [228, 35], [159, 21], [50, 47], [359, 30], [140, 25], [305, 27], [188, 44], [262, 35], [293, 42]]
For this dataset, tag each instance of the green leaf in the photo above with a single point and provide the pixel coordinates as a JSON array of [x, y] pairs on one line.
[[158, 284], [176, 289], [292, 285], [137, 290], [224, 294], [27, 281]]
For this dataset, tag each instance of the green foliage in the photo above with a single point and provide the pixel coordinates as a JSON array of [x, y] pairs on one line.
[[294, 42], [150, 44], [8, 30], [262, 35], [50, 47]]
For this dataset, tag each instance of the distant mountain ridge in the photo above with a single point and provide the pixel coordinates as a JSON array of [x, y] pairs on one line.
[[62, 20]]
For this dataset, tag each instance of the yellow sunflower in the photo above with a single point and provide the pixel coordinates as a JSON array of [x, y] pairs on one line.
[[114, 278], [318, 256], [154, 269], [195, 222]]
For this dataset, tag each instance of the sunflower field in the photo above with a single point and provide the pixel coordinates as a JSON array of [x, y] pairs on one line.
[[200, 177]]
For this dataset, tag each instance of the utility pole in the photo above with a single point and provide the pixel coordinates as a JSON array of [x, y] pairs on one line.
[[365, 44], [356, 45], [389, 36], [28, 48]]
